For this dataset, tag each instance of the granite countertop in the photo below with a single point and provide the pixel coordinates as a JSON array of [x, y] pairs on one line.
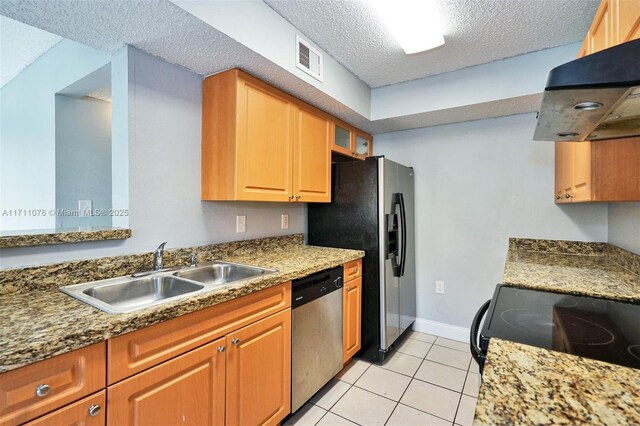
[[43, 322], [526, 385], [590, 269]]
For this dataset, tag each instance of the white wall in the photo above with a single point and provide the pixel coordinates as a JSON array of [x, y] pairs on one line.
[[477, 184], [164, 176], [83, 159], [624, 226], [27, 165]]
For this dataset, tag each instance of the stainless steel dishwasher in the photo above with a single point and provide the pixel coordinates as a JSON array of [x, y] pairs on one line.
[[316, 333]]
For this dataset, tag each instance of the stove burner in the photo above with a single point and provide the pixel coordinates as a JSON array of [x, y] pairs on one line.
[[541, 299], [634, 351], [581, 334], [579, 330], [527, 321]]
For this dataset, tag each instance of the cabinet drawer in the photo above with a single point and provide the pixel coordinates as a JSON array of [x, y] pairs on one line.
[[352, 270], [134, 352], [60, 380], [90, 411]]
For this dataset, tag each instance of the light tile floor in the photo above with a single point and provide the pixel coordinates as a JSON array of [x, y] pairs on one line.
[[429, 380]]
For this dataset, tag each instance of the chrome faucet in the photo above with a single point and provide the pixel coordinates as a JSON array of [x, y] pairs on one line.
[[158, 264]]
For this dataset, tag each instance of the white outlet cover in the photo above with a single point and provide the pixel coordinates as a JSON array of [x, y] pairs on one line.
[[241, 223], [285, 221], [84, 208], [440, 287]]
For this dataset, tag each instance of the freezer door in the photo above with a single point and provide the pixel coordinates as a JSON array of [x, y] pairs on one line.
[[390, 247], [407, 286]]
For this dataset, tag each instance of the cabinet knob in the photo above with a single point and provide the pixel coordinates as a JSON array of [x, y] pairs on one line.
[[220, 349], [567, 195], [298, 197], [558, 197], [94, 410], [235, 341], [290, 197], [348, 288], [42, 390]]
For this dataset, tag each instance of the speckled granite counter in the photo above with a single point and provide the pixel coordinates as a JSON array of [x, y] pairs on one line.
[[41, 322], [591, 269], [526, 385], [41, 237]]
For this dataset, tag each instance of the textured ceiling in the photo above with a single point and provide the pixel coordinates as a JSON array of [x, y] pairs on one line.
[[476, 32], [161, 28], [20, 45]]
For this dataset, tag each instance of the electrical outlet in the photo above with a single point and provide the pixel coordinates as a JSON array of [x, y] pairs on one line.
[[241, 224], [84, 208], [440, 287], [285, 221]]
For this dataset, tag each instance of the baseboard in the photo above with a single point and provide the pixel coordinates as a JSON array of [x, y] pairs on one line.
[[441, 329]]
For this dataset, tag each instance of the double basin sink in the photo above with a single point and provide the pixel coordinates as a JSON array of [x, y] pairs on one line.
[[128, 294]]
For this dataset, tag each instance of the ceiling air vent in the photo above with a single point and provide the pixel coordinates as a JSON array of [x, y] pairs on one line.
[[308, 59]]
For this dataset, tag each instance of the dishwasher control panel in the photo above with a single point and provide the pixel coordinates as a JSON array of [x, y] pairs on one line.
[[314, 286]]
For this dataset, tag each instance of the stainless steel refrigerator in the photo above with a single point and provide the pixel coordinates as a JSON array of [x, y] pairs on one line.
[[372, 209]]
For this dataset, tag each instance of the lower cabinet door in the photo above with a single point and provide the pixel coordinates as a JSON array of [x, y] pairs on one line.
[[89, 411], [187, 390], [259, 372], [352, 307]]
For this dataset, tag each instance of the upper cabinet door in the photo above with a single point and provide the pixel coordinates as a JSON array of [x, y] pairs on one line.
[[601, 31], [265, 144], [312, 156], [581, 171], [343, 136], [628, 15], [362, 144]]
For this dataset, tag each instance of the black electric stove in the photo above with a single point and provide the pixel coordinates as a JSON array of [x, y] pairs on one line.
[[600, 329]]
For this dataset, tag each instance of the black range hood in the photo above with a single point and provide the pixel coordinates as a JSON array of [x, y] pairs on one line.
[[593, 98]]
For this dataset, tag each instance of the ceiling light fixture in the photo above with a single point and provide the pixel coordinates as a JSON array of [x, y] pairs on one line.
[[415, 24]]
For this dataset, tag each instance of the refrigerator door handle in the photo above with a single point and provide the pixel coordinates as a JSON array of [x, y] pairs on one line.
[[396, 261], [403, 220]]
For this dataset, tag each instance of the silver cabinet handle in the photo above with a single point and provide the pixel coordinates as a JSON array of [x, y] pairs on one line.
[[220, 349], [42, 390], [94, 410], [235, 341]]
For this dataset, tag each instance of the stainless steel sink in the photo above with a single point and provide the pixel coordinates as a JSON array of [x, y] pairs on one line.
[[141, 292], [220, 273], [121, 295], [127, 294]]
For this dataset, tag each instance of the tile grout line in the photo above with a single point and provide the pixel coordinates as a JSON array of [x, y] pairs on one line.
[[422, 381]]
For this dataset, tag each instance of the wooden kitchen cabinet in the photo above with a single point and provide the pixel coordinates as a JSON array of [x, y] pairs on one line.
[[243, 377], [628, 20], [352, 309], [260, 144], [602, 171], [259, 372], [39, 388], [89, 411], [350, 141], [615, 22], [312, 155], [187, 390], [608, 170]]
